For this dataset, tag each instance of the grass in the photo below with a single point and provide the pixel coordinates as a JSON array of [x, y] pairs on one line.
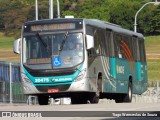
[[6, 49], [153, 70], [152, 44], [6, 42]]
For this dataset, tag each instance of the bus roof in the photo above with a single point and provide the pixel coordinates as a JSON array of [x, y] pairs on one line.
[[93, 22], [111, 26]]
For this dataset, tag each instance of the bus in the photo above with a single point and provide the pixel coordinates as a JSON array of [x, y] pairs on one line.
[[110, 61]]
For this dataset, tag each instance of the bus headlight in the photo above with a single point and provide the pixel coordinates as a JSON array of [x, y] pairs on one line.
[[81, 75], [25, 78]]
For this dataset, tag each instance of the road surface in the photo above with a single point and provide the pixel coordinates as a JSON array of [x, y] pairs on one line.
[[79, 112]]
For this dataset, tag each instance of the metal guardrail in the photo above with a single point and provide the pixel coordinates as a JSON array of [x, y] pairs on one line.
[[152, 95], [10, 83]]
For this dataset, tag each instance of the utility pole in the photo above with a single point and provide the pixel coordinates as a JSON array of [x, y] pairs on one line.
[[51, 9], [135, 19], [58, 9], [36, 7]]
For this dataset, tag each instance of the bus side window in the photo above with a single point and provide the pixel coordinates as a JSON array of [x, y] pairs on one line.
[[134, 48], [138, 50], [142, 50], [126, 47], [117, 39], [108, 43], [90, 31]]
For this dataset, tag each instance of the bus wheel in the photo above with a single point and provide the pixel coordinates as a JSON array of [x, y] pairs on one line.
[[94, 98], [128, 97], [43, 100], [122, 98]]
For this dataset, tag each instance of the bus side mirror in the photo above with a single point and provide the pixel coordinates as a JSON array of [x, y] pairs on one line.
[[90, 42], [16, 46]]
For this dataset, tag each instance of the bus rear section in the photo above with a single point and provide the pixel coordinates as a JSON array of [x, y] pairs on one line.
[[128, 68]]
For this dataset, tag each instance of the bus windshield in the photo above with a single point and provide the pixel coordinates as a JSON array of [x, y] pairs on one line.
[[42, 49]]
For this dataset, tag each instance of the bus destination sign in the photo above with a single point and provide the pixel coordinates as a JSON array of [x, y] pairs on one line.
[[50, 27]]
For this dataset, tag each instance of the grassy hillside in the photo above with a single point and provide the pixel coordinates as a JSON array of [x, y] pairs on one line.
[[152, 50], [152, 44], [6, 49], [6, 42]]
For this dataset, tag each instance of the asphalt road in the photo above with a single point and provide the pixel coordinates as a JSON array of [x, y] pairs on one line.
[[79, 112]]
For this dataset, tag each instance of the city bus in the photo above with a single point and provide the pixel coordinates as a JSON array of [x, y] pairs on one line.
[[110, 61]]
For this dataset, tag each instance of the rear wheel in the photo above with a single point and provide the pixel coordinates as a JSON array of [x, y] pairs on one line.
[[125, 97], [43, 100], [128, 97]]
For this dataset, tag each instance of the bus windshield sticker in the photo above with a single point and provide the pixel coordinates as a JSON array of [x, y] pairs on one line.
[[56, 61]]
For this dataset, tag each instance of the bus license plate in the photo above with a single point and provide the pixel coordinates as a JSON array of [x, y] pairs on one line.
[[53, 90]]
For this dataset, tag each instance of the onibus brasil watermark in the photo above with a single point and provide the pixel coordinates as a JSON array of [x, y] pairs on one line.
[[21, 114]]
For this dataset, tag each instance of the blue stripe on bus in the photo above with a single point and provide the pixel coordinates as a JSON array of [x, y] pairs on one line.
[[113, 67], [138, 70]]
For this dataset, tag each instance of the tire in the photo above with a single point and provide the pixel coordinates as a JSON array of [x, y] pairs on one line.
[[43, 100], [94, 98], [125, 98], [128, 97]]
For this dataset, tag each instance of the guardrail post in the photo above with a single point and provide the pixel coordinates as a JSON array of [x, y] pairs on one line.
[[157, 87], [32, 100], [157, 90], [10, 82], [52, 101]]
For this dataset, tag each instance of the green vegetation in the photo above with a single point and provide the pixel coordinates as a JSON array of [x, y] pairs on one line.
[[154, 69], [152, 44], [6, 42], [121, 12]]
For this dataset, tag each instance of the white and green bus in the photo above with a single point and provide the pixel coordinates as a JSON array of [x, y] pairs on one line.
[[84, 59]]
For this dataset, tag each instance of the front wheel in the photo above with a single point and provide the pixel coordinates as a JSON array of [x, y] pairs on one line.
[[94, 98], [43, 100]]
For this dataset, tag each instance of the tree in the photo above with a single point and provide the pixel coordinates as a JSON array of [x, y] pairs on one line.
[[14, 16], [155, 21], [147, 20], [96, 9], [122, 13]]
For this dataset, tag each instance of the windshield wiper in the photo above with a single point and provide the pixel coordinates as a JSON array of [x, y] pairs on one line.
[[62, 43], [41, 40]]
